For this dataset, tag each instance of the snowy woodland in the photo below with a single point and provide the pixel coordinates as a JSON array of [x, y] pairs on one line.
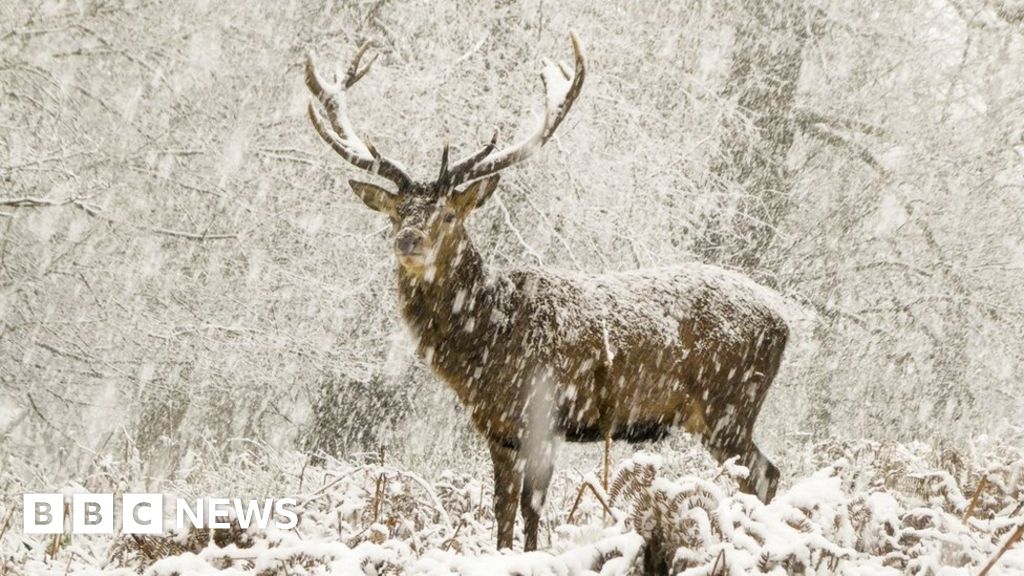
[[194, 302]]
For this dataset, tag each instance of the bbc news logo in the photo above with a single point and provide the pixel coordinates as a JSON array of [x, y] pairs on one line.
[[144, 513]]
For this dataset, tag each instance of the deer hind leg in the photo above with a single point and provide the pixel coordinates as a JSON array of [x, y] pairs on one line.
[[732, 436], [763, 480], [508, 482], [536, 479]]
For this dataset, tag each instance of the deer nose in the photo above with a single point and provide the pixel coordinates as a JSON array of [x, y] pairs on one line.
[[408, 242]]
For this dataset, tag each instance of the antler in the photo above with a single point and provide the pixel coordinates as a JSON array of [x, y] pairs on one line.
[[561, 91], [340, 135]]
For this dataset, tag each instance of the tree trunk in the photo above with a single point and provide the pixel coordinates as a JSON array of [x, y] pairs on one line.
[[757, 138]]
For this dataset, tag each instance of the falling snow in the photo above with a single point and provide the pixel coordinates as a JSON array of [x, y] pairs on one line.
[[766, 237]]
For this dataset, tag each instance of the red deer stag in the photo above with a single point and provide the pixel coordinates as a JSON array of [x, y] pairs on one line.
[[537, 354]]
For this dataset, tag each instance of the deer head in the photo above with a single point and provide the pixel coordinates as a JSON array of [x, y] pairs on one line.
[[427, 217]]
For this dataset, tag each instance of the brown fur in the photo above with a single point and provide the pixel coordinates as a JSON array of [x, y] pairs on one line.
[[536, 354]]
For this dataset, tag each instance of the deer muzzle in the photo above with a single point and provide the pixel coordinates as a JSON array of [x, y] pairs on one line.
[[409, 246]]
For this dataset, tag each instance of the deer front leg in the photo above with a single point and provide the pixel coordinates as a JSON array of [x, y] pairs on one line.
[[536, 479], [508, 482]]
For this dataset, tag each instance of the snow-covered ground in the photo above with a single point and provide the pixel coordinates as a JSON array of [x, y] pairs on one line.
[[897, 509]]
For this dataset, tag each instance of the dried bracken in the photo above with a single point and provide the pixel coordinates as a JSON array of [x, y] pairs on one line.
[[378, 518]]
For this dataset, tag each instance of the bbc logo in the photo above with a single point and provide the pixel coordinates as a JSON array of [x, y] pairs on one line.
[[144, 513], [93, 513]]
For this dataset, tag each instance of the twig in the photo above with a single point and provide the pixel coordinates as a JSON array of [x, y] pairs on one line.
[[32, 202], [285, 157], [59, 352], [607, 449], [607, 457], [974, 499], [95, 211], [807, 116], [579, 496], [188, 235], [7, 522], [45, 160], [378, 493], [515, 231], [830, 136], [302, 473], [378, 497], [575, 503], [719, 562], [1014, 538], [448, 543], [1017, 509]]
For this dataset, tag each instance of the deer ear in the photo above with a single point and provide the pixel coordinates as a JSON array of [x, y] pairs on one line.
[[374, 196], [476, 193]]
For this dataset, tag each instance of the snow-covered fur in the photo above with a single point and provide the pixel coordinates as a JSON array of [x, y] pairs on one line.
[[537, 354]]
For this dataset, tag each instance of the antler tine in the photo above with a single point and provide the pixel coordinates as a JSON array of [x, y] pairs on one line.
[[464, 165], [354, 73], [557, 107], [444, 163], [340, 134], [574, 87]]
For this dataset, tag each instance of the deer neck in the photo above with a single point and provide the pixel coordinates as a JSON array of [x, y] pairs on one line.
[[450, 314]]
